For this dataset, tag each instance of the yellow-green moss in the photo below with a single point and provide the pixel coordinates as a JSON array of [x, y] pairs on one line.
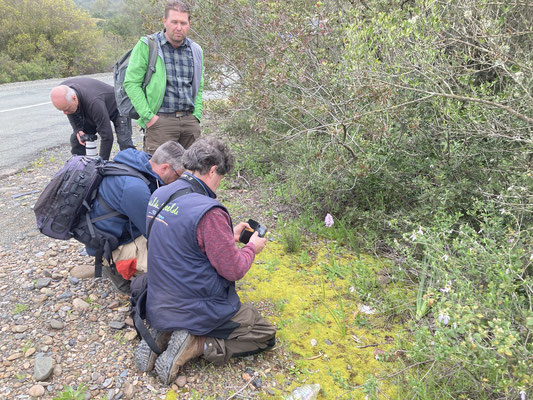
[[314, 302]]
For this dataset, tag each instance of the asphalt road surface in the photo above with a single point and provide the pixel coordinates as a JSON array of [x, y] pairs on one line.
[[29, 123]]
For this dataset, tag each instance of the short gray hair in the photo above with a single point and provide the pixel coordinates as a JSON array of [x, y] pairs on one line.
[[170, 152], [206, 152], [69, 94]]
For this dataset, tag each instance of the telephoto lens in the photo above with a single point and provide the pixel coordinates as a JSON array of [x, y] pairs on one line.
[[91, 149]]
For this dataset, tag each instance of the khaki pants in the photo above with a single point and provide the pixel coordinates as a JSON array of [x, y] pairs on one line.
[[131, 258], [252, 335], [184, 130]]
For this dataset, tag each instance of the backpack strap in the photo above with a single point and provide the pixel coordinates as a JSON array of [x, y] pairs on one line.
[[152, 57], [110, 168]]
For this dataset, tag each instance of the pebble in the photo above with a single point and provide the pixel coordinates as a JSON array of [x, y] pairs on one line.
[[42, 282], [130, 335], [19, 328], [30, 352], [43, 368], [36, 391], [128, 390], [56, 324], [47, 340], [14, 356], [181, 380], [82, 271], [118, 325], [80, 304]]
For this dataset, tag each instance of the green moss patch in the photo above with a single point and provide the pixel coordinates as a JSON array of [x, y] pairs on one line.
[[337, 341]]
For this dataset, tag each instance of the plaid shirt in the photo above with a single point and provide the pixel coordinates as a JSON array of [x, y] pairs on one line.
[[179, 66]]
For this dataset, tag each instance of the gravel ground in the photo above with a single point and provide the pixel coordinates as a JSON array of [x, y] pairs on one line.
[[64, 328]]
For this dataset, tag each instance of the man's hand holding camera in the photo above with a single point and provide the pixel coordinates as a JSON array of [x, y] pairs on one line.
[[246, 233]]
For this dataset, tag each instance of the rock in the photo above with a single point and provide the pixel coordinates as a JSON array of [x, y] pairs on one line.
[[128, 321], [14, 356], [117, 325], [128, 390], [130, 335], [31, 351], [80, 304], [82, 271], [57, 370], [36, 391], [43, 368], [73, 280], [47, 340], [181, 380], [257, 383], [42, 282], [56, 324], [19, 328], [107, 383]]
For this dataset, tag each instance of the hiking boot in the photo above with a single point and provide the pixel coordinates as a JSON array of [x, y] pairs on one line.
[[144, 356], [121, 285], [182, 347]]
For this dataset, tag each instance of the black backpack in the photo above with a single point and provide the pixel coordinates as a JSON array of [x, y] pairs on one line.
[[63, 208], [124, 105]]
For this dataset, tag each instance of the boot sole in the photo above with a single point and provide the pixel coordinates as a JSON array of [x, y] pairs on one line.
[[144, 356], [165, 365]]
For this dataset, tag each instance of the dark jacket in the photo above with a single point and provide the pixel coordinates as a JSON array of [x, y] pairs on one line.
[[184, 289], [96, 109], [128, 195]]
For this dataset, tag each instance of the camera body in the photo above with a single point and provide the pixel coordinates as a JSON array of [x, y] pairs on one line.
[[255, 226], [90, 144]]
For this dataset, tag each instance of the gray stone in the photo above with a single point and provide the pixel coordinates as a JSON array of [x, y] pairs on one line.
[[65, 295], [43, 368], [117, 324], [80, 304], [55, 324], [82, 271]]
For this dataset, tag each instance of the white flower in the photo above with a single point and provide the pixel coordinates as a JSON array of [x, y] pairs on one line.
[[313, 342], [445, 257], [420, 231], [413, 237], [366, 309], [522, 395], [352, 289], [328, 221]]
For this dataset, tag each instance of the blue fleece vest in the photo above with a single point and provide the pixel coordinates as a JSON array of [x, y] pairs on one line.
[[184, 289]]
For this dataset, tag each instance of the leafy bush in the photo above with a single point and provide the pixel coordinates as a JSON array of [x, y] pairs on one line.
[[410, 124]]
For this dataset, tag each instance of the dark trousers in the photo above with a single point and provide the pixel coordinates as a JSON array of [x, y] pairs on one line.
[[184, 130], [123, 131], [249, 333]]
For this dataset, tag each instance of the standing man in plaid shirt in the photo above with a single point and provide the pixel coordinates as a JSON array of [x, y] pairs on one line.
[[170, 108]]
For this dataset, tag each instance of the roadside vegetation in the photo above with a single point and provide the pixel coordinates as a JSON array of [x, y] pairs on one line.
[[409, 122]]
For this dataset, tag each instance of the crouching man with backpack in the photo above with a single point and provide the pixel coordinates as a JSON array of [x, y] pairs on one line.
[[191, 304], [128, 196]]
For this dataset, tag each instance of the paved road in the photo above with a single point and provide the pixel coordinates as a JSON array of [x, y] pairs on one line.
[[29, 123]]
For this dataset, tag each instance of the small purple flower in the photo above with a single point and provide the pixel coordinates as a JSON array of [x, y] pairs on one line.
[[522, 395], [444, 319], [328, 221]]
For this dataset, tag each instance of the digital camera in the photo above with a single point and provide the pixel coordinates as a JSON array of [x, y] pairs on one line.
[[247, 233]]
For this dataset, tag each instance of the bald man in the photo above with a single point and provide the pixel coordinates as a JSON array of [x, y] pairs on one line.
[[91, 107]]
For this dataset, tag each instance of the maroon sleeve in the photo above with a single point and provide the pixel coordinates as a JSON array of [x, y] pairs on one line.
[[215, 238]]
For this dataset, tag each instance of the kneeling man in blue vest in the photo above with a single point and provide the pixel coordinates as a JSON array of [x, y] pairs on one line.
[[192, 306]]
